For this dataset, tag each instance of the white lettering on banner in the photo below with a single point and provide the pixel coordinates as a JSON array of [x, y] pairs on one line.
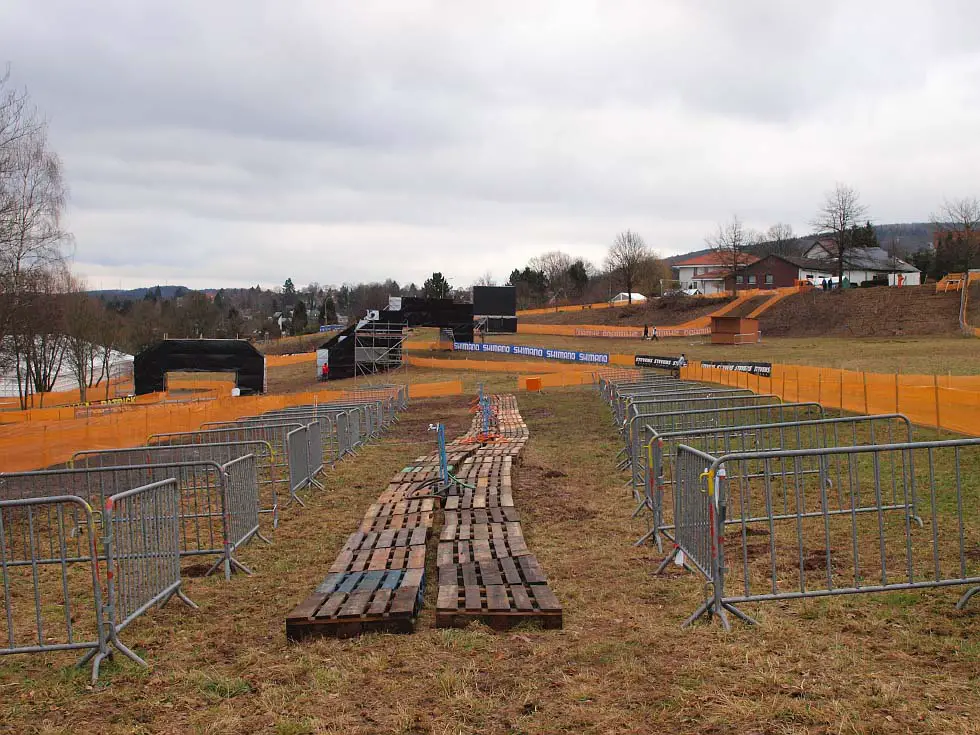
[[587, 357], [528, 351]]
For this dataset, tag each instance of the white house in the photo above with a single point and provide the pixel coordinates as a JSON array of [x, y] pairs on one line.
[[707, 272], [860, 264]]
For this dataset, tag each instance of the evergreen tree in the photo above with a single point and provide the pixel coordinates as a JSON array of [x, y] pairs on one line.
[[436, 287], [299, 318]]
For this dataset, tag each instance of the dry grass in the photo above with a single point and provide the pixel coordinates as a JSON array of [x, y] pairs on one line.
[[890, 663], [927, 355]]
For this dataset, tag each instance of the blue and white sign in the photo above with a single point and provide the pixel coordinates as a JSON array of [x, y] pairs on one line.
[[592, 358]]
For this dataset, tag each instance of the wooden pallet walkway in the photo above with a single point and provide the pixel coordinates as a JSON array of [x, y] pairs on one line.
[[485, 570]]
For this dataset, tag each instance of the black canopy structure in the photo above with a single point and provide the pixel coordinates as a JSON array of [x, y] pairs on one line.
[[151, 366], [374, 344], [495, 308]]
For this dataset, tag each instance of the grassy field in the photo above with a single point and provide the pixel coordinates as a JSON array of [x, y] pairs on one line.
[[872, 664], [928, 355]]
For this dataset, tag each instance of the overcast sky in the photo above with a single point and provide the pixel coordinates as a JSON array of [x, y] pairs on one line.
[[234, 142]]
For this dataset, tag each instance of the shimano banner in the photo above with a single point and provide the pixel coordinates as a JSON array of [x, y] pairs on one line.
[[763, 369], [593, 358], [667, 363]]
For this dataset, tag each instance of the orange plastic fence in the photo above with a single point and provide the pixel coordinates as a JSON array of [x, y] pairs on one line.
[[948, 402], [293, 359], [117, 387], [39, 444]]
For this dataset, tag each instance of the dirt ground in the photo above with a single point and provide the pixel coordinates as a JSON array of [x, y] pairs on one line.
[[864, 312], [871, 664]]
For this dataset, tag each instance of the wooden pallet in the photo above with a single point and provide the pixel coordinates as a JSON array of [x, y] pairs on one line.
[[401, 507], [383, 539], [408, 520], [381, 559], [488, 497], [498, 606], [461, 552], [481, 515], [347, 605]]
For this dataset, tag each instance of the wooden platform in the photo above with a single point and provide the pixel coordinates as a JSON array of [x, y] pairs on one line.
[[486, 571], [350, 604], [500, 593]]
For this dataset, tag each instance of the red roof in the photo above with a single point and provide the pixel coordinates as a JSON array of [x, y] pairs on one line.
[[714, 259]]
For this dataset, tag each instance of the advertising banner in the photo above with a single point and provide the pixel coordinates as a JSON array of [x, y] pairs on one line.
[[591, 358]]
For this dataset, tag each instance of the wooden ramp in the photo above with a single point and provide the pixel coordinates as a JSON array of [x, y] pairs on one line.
[[485, 570]]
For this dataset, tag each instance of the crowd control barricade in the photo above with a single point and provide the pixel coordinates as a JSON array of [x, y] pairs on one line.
[[699, 416], [298, 454], [273, 432], [142, 549], [204, 507], [761, 550], [718, 440], [52, 594], [220, 452], [635, 429]]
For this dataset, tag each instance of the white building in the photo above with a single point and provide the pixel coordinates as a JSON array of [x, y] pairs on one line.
[[860, 264]]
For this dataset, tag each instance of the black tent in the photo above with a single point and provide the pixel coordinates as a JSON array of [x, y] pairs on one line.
[[199, 355]]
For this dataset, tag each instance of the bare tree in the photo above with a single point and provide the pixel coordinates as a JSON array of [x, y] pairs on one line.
[[32, 242], [777, 240], [731, 244], [485, 280], [83, 315], [554, 264], [959, 221], [626, 257], [837, 217]]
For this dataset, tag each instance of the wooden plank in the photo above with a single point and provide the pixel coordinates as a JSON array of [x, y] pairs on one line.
[[545, 597], [448, 598], [472, 598], [308, 607], [522, 600], [497, 597]]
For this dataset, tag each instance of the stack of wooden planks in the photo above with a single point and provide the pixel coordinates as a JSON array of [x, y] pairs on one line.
[[485, 570]]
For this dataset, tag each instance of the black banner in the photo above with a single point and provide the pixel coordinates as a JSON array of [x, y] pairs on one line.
[[763, 369], [667, 363]]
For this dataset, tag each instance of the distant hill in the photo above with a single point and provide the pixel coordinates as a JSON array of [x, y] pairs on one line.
[[136, 294]]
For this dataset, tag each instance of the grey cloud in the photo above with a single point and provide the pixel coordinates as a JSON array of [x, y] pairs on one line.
[[256, 140]]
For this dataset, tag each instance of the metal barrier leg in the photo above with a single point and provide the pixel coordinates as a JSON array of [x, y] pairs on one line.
[[966, 597]]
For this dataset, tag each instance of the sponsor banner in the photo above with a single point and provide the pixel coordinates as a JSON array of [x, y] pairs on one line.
[[592, 358], [763, 369], [655, 361]]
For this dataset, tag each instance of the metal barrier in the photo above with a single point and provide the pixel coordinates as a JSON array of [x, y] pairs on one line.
[[868, 544], [47, 605], [142, 549], [241, 510], [219, 452], [204, 499], [298, 454], [274, 434], [807, 434], [635, 428]]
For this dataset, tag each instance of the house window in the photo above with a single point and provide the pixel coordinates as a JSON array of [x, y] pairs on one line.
[[751, 280], [769, 280], [739, 279]]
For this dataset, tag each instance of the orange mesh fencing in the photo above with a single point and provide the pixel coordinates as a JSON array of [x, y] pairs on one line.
[[293, 359], [37, 444], [944, 401]]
